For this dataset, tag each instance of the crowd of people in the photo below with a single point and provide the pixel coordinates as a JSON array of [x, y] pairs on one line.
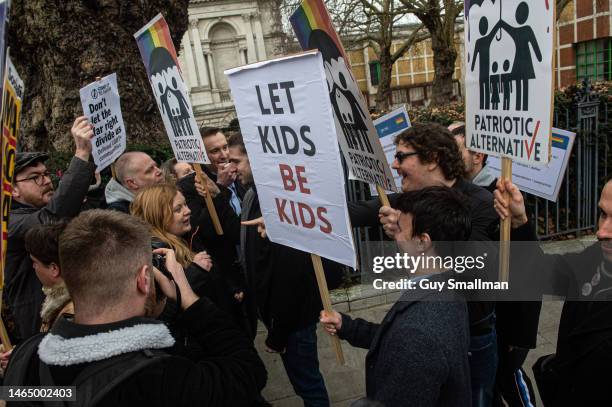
[[135, 299]]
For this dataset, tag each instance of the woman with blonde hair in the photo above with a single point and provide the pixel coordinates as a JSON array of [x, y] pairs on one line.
[[163, 207]]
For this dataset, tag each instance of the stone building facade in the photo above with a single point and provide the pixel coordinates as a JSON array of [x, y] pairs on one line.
[[225, 34]]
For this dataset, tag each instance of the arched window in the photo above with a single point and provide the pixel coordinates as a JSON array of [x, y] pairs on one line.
[[224, 48]]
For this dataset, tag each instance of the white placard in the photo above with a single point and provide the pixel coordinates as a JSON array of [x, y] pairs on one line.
[[508, 78], [288, 128], [545, 181], [101, 105], [387, 127]]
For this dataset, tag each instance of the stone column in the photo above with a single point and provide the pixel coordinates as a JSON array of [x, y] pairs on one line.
[[211, 69], [199, 54], [261, 46], [251, 53], [191, 69]]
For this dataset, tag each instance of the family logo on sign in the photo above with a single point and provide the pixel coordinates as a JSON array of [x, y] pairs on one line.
[[509, 48], [170, 96], [499, 80]]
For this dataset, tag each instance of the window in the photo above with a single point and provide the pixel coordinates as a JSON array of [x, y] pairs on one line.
[[594, 60], [374, 73]]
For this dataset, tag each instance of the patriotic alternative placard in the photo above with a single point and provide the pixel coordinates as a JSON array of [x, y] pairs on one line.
[[164, 73], [387, 127], [289, 132], [509, 48], [357, 136], [12, 97]]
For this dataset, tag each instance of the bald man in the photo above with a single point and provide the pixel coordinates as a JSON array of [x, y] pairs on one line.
[[133, 171]]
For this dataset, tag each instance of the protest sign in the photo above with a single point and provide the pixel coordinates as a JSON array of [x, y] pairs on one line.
[[289, 133], [290, 136], [387, 127], [101, 105], [546, 181], [164, 73], [5, 6], [509, 50], [165, 76], [12, 97], [359, 143]]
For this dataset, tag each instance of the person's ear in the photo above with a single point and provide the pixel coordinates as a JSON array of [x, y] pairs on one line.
[[55, 270], [131, 184], [143, 280], [15, 192], [424, 242], [477, 158]]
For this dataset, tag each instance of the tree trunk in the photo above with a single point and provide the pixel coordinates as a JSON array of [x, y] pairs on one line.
[[384, 85], [60, 46], [444, 57]]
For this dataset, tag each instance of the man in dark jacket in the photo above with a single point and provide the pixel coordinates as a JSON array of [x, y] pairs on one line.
[[582, 365], [427, 155], [517, 322], [35, 202], [282, 291], [134, 171], [107, 267], [418, 355]]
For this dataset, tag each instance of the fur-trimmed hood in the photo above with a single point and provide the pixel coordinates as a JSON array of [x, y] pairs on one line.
[[69, 344]]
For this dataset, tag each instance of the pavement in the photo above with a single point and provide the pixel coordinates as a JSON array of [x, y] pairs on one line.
[[346, 383]]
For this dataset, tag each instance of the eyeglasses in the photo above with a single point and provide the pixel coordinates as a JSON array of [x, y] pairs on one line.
[[399, 156], [39, 179]]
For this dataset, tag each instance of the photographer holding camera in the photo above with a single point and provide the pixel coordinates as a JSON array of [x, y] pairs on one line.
[[113, 351]]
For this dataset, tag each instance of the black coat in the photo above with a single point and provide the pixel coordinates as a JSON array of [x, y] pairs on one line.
[[222, 248], [485, 227], [229, 373], [23, 290], [418, 354], [584, 342], [281, 280]]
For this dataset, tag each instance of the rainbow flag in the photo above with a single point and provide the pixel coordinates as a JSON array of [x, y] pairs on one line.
[[560, 141], [313, 15], [154, 35]]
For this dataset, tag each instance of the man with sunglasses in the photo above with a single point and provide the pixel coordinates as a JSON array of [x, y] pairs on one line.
[[36, 202], [427, 155]]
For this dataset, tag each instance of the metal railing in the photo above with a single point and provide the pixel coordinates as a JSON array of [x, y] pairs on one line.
[[576, 209]]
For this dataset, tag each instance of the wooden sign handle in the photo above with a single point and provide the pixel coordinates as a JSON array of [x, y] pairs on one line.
[[504, 229], [209, 203], [382, 195], [6, 342], [326, 300]]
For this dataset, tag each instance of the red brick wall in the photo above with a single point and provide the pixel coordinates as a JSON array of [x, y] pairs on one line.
[[589, 27]]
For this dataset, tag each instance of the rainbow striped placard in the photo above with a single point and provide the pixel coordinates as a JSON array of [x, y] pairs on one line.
[[154, 35], [313, 15]]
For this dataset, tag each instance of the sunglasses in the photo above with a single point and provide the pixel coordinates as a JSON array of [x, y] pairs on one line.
[[399, 156]]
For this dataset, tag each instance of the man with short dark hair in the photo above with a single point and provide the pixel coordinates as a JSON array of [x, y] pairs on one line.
[[220, 169], [418, 354], [113, 351], [282, 290], [35, 202], [476, 169], [134, 171]]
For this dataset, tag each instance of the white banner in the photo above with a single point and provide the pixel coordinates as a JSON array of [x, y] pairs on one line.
[[546, 181], [387, 127], [508, 78], [288, 128], [102, 107]]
